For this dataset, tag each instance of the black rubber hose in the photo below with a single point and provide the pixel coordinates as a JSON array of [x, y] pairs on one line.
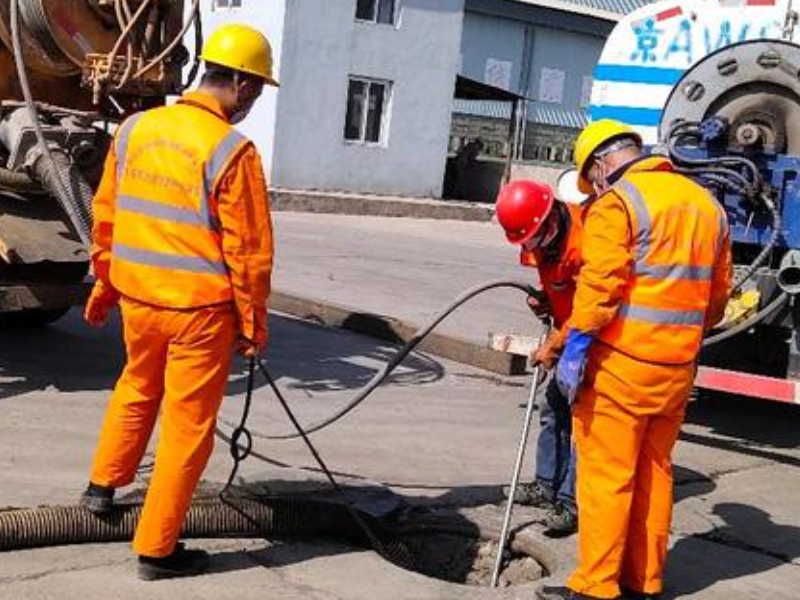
[[777, 223], [401, 354], [268, 517], [18, 182]]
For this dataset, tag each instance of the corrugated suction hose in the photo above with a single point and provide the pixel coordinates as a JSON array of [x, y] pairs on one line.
[[269, 518], [76, 200]]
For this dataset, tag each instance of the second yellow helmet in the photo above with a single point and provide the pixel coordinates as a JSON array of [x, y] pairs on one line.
[[591, 138]]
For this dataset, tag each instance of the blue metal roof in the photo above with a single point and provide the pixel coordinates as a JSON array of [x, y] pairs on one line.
[[621, 7], [547, 114]]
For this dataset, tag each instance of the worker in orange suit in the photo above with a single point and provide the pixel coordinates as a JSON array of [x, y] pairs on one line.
[[655, 277], [549, 234], [183, 242]]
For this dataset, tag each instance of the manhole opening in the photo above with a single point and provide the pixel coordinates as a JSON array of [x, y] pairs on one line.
[[468, 560]]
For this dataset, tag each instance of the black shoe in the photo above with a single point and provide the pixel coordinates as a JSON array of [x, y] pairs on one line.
[[629, 594], [549, 592], [562, 520], [98, 499], [181, 563], [532, 494]]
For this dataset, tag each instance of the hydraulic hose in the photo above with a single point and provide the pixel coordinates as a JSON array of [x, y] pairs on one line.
[[777, 223], [710, 169], [401, 354], [173, 44], [751, 321]]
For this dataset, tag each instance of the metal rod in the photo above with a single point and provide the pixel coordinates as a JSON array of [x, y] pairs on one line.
[[523, 442]]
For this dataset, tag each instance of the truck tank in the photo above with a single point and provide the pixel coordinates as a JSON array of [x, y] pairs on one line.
[[70, 71], [716, 87]]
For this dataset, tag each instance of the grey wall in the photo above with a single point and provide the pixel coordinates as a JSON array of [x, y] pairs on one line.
[[532, 37], [323, 45]]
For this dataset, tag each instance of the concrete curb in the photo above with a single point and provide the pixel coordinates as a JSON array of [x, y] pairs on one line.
[[398, 331], [381, 206]]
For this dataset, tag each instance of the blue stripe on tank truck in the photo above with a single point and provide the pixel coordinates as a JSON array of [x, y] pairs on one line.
[[631, 74]]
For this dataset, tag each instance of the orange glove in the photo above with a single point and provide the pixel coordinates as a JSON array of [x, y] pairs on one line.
[[102, 299], [548, 353]]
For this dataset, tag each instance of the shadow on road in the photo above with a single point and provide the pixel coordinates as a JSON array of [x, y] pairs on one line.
[[694, 566], [70, 356]]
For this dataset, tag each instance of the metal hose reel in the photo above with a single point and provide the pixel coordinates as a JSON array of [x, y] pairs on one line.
[[753, 86]]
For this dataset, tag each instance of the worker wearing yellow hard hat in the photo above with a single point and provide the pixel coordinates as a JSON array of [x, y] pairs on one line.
[[656, 275], [241, 48], [182, 240]]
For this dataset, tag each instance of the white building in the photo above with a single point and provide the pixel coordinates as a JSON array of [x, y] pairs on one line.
[[366, 91]]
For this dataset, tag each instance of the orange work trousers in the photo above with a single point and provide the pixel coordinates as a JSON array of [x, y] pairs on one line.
[[178, 361], [625, 424]]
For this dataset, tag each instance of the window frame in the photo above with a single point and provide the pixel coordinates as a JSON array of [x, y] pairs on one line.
[[228, 6], [374, 21], [383, 131]]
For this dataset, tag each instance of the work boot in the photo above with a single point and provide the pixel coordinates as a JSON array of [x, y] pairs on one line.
[[629, 594], [531, 494], [549, 592], [562, 520], [181, 563], [98, 499]]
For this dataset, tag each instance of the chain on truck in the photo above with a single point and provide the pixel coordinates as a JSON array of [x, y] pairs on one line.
[[70, 70]]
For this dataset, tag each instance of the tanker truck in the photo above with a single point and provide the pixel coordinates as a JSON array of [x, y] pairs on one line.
[[715, 85], [70, 71]]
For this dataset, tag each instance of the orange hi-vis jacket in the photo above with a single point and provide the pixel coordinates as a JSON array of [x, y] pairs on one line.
[[656, 303], [182, 217], [558, 274]]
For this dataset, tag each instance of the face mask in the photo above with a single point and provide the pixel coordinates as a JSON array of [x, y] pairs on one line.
[[240, 114], [600, 182], [242, 108]]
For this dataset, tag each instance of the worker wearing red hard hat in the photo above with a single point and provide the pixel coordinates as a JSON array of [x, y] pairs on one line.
[[549, 233]]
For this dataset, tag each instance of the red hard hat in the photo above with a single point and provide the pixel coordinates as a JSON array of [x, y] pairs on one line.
[[522, 206]]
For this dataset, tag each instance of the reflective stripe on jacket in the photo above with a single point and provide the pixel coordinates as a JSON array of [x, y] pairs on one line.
[[677, 235], [167, 240]]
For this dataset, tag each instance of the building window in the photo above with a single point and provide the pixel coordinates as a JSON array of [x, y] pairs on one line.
[[367, 100], [376, 11]]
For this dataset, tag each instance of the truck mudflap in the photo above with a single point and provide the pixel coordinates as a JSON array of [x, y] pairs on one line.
[[748, 384], [19, 297]]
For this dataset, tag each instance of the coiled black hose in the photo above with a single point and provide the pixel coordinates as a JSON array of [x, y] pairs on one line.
[[401, 354]]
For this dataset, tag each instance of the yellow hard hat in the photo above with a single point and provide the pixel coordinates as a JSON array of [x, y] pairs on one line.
[[591, 138], [241, 48]]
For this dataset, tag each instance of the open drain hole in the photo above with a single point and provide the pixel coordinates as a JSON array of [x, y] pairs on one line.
[[464, 559]]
